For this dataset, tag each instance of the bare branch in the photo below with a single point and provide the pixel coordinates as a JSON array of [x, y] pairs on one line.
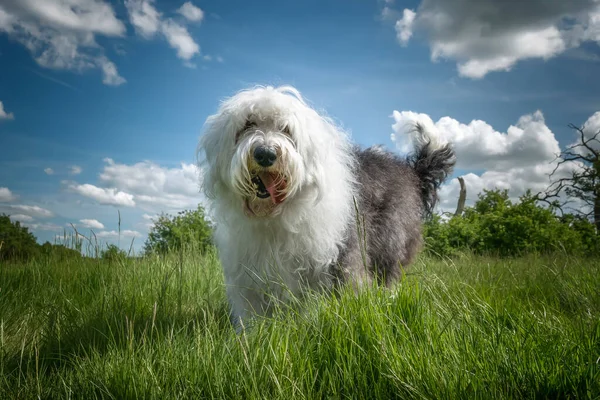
[[582, 183], [583, 142]]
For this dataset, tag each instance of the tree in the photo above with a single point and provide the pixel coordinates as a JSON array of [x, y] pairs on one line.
[[112, 253], [583, 182], [188, 227], [15, 240]]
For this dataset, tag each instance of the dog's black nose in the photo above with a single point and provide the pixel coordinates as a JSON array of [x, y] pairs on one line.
[[265, 156]]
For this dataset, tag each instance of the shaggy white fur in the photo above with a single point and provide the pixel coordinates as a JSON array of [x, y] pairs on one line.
[[271, 249], [285, 186]]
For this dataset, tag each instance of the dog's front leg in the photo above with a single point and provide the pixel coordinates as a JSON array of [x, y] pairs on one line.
[[245, 302]]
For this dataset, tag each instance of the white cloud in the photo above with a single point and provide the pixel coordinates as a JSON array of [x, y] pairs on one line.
[[148, 221], [154, 187], [191, 12], [110, 74], [148, 22], [146, 185], [106, 196], [3, 113], [6, 195], [32, 211], [21, 218], [61, 34], [220, 59], [115, 234], [404, 26], [49, 171], [520, 159], [179, 39], [479, 145], [144, 17], [488, 35], [75, 170], [91, 223], [591, 128], [207, 57], [516, 180]]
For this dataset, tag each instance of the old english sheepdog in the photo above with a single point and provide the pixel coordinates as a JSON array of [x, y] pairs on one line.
[[296, 205]]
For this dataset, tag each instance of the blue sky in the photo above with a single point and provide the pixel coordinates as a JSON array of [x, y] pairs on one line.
[[120, 90]]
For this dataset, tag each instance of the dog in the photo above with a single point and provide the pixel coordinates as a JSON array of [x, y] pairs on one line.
[[297, 206]]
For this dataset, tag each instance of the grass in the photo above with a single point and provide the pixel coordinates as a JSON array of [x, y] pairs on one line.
[[158, 328]]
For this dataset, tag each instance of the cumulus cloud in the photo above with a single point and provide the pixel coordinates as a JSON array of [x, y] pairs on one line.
[[149, 22], [146, 185], [180, 39], [191, 12], [49, 171], [3, 113], [148, 220], [32, 211], [404, 26], [479, 145], [61, 34], [110, 75], [516, 180], [488, 35], [75, 170], [6, 195], [106, 196], [519, 159], [153, 186], [115, 234], [591, 129], [21, 218], [144, 17], [91, 223]]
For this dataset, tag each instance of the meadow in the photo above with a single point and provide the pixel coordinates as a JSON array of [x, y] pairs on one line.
[[158, 328]]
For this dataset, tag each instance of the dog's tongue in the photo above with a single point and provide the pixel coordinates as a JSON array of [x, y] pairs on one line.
[[274, 185]]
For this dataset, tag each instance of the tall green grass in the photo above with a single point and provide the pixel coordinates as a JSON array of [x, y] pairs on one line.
[[158, 328]]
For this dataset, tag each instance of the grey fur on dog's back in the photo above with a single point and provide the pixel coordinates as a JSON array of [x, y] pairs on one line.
[[394, 195]]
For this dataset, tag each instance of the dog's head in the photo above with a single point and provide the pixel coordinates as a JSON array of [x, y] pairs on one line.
[[267, 148]]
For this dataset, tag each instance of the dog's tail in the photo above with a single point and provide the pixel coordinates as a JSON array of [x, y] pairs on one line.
[[433, 160]]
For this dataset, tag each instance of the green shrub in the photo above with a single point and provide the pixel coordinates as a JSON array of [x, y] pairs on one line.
[[495, 225], [59, 251], [112, 253], [188, 227]]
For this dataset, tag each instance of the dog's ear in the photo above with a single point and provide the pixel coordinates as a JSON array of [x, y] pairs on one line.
[[213, 151], [315, 139]]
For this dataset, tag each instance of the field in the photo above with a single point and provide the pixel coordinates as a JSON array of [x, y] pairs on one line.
[[474, 327]]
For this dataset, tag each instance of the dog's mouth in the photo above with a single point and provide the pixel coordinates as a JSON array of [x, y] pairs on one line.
[[261, 190], [270, 185]]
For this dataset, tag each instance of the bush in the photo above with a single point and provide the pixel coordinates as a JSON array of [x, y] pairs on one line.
[[59, 251], [188, 227], [113, 253], [494, 225]]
